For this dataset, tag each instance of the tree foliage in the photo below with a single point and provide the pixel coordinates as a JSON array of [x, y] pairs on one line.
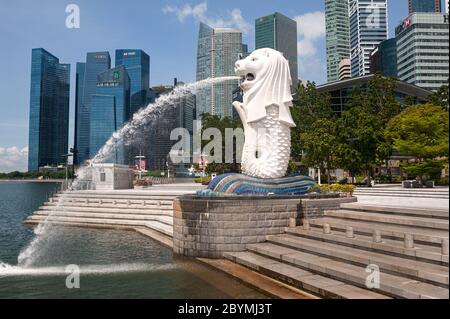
[[440, 97], [420, 131]]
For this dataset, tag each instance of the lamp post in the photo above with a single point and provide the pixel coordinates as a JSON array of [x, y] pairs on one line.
[[66, 156]]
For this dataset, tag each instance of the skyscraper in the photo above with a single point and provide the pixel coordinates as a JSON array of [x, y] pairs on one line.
[[110, 106], [424, 6], [383, 59], [137, 63], [368, 27], [218, 51], [79, 88], [96, 63], [49, 110], [337, 36], [422, 50], [278, 32]]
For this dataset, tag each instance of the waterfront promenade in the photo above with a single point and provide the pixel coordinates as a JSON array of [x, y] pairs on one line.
[[404, 232]]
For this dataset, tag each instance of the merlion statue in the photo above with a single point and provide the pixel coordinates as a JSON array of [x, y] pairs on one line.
[[266, 117], [265, 113]]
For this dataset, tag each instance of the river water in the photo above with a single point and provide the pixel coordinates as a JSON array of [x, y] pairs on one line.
[[113, 264]]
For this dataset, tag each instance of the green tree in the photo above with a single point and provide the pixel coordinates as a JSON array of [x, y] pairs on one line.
[[420, 131], [309, 106], [440, 97], [361, 141]]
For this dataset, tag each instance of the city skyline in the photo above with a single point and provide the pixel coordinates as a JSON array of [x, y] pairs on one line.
[[183, 24]]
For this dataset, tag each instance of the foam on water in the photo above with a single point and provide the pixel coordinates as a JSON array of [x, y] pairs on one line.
[[146, 116], [7, 270]]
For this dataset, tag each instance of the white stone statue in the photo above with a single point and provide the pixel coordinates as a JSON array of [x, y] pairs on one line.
[[265, 113]]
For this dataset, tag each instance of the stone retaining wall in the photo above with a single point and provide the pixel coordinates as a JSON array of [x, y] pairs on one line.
[[208, 227]]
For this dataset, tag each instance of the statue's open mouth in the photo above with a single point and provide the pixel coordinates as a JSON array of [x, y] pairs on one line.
[[248, 78]]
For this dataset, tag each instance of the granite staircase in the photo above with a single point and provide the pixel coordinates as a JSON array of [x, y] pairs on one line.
[[145, 211], [330, 256]]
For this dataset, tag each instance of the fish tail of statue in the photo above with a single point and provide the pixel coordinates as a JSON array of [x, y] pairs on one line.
[[269, 156]]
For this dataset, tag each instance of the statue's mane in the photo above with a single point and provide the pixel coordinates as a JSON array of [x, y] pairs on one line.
[[272, 87]]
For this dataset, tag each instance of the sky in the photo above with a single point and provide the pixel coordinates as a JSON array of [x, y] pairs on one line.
[[166, 29]]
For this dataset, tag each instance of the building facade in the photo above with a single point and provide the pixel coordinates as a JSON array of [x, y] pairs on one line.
[[137, 63], [422, 50], [279, 32], [154, 140], [340, 92], [110, 109], [337, 36], [383, 59], [79, 88], [96, 63], [345, 71], [424, 6], [49, 110], [368, 27], [218, 51]]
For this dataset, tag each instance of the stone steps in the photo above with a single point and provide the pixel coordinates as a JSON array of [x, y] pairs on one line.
[[163, 219], [119, 210], [102, 222], [418, 270], [421, 252], [392, 285], [302, 279], [83, 202], [422, 222], [402, 211], [124, 197], [427, 236]]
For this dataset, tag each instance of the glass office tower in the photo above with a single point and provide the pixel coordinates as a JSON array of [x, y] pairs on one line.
[[422, 50], [368, 27], [383, 59], [218, 51], [279, 32], [79, 88], [137, 63], [337, 36], [96, 63], [424, 6], [49, 110], [110, 107]]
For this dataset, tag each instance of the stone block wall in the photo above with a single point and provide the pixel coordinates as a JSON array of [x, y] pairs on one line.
[[208, 227]]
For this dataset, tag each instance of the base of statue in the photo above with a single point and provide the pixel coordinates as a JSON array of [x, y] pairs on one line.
[[239, 184]]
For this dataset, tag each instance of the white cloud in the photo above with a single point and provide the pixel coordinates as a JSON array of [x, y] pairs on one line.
[[199, 13], [13, 159], [310, 29]]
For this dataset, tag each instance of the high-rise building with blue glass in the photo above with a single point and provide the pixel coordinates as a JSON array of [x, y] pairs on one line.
[[218, 51], [49, 110], [383, 59], [110, 106], [79, 88], [137, 63], [424, 6], [368, 27], [96, 63]]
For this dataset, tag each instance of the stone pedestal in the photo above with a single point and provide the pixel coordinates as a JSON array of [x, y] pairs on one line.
[[209, 226], [112, 176]]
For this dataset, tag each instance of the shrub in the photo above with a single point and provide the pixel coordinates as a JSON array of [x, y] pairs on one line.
[[333, 188]]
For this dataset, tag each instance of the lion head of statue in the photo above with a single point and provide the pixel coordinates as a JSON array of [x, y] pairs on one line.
[[265, 80]]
